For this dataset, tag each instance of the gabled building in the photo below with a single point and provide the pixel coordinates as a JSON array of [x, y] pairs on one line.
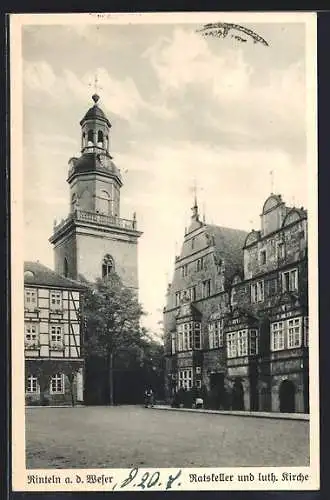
[[236, 318], [54, 367]]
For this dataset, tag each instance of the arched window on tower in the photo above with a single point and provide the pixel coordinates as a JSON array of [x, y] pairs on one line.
[[66, 267], [100, 139], [107, 266], [90, 138], [104, 202], [83, 140]]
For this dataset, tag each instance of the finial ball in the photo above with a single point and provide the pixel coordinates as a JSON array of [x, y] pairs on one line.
[[95, 98]]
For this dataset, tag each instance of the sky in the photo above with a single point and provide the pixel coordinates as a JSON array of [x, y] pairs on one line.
[[185, 110]]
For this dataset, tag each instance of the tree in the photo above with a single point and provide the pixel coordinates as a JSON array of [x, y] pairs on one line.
[[112, 321]]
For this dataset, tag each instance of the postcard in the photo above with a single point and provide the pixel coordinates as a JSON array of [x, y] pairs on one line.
[[164, 251]]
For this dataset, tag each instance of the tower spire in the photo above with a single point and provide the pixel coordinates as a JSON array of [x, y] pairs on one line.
[[195, 214]]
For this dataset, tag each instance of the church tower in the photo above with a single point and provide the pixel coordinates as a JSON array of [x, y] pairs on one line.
[[94, 240]]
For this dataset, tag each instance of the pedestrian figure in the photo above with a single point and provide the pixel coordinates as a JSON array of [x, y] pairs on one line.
[[148, 398]]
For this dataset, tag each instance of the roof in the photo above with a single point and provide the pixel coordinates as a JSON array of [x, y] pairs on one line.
[[229, 245], [95, 112], [38, 274], [90, 162]]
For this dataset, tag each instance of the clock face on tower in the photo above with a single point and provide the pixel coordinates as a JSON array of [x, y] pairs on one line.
[[105, 161]]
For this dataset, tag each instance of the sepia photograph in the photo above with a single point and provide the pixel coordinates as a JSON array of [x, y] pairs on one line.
[[164, 251]]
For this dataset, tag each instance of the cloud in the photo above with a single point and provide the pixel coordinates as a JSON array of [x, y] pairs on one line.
[[120, 96], [227, 92], [184, 108]]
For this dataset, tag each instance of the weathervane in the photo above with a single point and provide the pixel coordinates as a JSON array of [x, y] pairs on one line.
[[97, 87]]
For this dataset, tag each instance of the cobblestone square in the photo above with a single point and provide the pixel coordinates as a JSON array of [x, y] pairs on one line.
[[128, 436]]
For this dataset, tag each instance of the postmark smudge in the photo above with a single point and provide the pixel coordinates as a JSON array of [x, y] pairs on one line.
[[235, 31]]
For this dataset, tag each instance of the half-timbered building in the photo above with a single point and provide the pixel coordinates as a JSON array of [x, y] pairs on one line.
[[52, 337]]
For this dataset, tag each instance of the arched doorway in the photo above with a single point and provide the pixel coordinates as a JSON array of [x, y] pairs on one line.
[[287, 396], [238, 395]]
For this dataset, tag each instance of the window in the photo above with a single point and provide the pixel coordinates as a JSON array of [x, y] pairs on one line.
[[185, 337], [107, 266], [242, 343], [56, 337], [257, 292], [263, 257], [66, 267], [290, 281], [280, 250], [57, 384], [277, 336], [271, 287], [100, 138], [31, 336], [192, 243], [215, 334], [184, 270], [306, 328], [254, 293], [294, 333], [286, 334], [197, 335], [185, 379], [200, 264], [192, 293], [260, 291], [253, 349], [189, 336], [198, 384], [177, 298], [231, 345], [32, 385], [56, 301], [90, 138], [206, 289], [105, 203], [30, 298], [173, 343], [233, 300], [198, 370]]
